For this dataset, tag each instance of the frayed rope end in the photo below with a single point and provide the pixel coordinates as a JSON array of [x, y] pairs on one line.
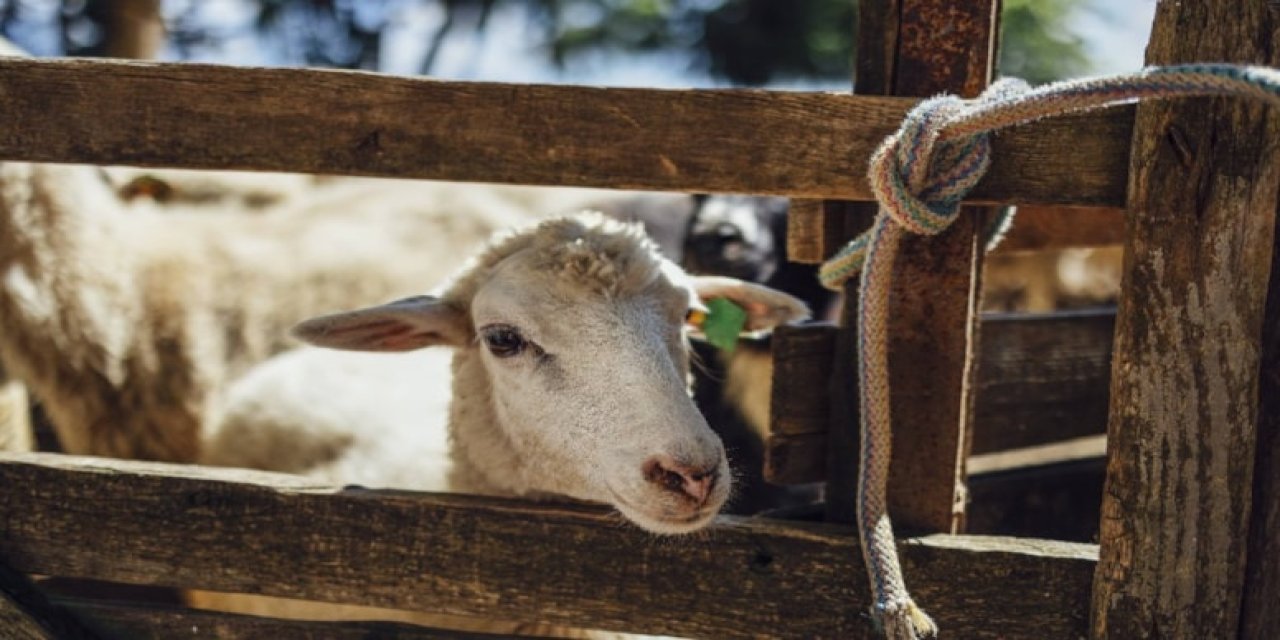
[[905, 621]]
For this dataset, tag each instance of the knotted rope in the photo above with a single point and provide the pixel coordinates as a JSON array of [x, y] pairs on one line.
[[919, 176]]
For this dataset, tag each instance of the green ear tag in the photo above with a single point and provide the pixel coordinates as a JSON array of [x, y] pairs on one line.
[[724, 322]]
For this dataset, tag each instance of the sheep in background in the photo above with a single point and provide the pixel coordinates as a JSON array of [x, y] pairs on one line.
[[1043, 281], [127, 322], [569, 378], [15, 418], [746, 237], [238, 190]]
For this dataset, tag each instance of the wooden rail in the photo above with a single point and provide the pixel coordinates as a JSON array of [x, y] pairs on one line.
[[1040, 379], [239, 531], [344, 122]]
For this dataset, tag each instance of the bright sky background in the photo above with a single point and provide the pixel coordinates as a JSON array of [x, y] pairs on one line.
[[1115, 33]]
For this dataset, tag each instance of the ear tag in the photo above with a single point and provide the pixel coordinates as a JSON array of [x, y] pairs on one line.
[[724, 321]]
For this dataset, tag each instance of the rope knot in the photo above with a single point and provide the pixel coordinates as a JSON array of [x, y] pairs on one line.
[[920, 179], [921, 173]]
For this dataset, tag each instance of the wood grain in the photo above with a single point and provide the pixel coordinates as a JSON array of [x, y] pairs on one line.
[[936, 46], [1260, 617], [143, 621], [1040, 379], [1203, 194], [1039, 228], [231, 530], [26, 614], [1035, 228], [346, 122]]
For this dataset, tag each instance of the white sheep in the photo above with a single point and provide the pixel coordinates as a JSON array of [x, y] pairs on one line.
[[566, 375], [1047, 280], [128, 322]]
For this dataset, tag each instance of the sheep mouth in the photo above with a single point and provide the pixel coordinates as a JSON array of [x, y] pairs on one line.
[[661, 520]]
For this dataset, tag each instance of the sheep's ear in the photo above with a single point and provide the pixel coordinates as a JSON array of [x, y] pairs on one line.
[[766, 308], [403, 325]]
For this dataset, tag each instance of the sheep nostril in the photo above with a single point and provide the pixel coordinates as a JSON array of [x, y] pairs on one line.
[[691, 482]]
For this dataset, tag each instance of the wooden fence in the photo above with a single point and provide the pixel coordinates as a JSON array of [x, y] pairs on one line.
[[1193, 456]]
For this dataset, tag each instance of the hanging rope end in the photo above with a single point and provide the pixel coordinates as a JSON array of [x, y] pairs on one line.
[[905, 621]]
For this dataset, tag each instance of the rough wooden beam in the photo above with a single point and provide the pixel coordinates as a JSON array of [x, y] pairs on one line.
[[346, 122], [1039, 228], [1041, 379], [936, 46], [1181, 443], [1047, 494], [25, 614], [1260, 617], [231, 530], [810, 238], [142, 620]]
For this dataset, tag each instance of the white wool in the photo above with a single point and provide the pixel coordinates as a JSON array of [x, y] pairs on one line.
[[372, 419]]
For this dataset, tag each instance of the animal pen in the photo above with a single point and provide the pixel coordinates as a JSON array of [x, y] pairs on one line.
[[1190, 523]]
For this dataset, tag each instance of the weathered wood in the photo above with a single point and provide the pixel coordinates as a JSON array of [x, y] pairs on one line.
[[346, 122], [808, 234], [936, 46], [1041, 379], [1034, 228], [1049, 492], [18, 624], [1202, 204], [1072, 450], [1260, 617], [1039, 228], [140, 621], [839, 462], [25, 614], [232, 530], [800, 402], [134, 29]]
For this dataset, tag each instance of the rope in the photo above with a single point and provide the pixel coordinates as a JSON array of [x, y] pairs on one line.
[[919, 176]]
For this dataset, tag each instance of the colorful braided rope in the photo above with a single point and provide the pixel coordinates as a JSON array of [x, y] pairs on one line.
[[919, 176]]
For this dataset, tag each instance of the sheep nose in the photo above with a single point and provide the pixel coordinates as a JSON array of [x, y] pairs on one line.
[[689, 481]]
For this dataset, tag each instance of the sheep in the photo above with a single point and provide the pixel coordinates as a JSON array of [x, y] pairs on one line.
[[241, 190], [746, 237], [128, 322], [15, 420], [568, 377], [1042, 281]]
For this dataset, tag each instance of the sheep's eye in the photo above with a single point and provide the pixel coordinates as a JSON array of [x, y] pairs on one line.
[[504, 341], [695, 317]]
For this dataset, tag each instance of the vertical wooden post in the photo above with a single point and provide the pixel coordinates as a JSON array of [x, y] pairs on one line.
[[1202, 201], [921, 48], [1260, 617]]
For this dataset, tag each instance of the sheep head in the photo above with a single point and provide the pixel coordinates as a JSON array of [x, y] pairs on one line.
[[577, 330]]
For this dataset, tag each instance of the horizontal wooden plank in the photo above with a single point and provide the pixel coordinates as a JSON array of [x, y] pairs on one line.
[[1041, 378], [578, 565], [26, 614], [143, 621], [1038, 228], [1044, 495], [1063, 452], [799, 144]]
